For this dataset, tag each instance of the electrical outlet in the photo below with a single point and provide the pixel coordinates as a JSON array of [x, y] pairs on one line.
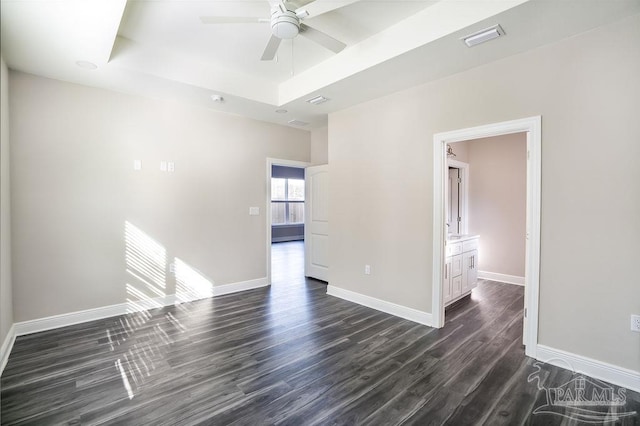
[[635, 323], [367, 269]]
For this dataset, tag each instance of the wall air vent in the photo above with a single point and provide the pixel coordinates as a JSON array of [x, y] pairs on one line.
[[483, 36]]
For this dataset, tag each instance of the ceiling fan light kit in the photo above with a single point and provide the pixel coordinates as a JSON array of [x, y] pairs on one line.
[[285, 24]]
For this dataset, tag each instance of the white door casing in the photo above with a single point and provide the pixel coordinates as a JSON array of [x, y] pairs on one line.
[[533, 127], [316, 222]]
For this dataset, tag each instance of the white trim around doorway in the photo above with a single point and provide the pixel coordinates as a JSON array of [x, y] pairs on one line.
[[532, 126]]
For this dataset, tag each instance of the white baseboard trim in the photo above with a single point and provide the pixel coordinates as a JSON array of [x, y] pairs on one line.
[[6, 347], [285, 239], [72, 318], [381, 305], [600, 370], [241, 286], [503, 278]]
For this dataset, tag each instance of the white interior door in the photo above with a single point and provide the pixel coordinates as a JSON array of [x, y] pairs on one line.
[[316, 222]]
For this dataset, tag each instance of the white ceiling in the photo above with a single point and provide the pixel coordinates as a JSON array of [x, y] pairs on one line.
[[161, 49]]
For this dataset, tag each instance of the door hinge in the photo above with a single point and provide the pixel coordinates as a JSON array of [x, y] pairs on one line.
[[459, 180], [525, 312], [459, 219], [528, 155]]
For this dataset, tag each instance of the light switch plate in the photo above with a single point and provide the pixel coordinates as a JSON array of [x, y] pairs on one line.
[[254, 211], [163, 166], [137, 164], [171, 166]]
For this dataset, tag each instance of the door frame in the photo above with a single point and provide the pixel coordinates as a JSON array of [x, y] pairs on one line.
[[464, 167], [275, 162], [532, 126]]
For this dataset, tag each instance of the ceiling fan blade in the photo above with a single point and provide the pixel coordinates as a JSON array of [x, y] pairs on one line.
[[232, 20], [321, 38], [296, 4], [271, 49]]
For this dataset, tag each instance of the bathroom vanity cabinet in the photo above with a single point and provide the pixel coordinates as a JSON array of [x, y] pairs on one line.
[[461, 267]]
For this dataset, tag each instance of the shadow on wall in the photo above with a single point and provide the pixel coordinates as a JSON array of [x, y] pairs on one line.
[[142, 338]]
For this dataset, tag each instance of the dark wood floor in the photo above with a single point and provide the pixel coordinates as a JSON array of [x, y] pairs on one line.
[[288, 355]]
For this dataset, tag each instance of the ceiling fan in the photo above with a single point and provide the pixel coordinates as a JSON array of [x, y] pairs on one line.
[[286, 17]]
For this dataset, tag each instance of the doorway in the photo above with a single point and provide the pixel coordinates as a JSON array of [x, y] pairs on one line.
[[284, 212], [457, 196], [532, 128]]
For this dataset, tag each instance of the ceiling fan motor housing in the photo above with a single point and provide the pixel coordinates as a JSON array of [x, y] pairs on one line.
[[284, 23]]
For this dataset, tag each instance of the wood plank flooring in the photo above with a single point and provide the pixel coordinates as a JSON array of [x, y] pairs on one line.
[[289, 355]]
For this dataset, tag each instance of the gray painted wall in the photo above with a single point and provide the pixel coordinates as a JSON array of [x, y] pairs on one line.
[[6, 287], [497, 200], [320, 146], [74, 190], [586, 88]]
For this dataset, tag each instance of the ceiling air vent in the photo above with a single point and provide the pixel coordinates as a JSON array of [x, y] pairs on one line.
[[317, 100], [483, 36], [298, 123]]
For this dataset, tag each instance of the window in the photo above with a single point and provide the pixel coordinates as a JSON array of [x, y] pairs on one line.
[[287, 201]]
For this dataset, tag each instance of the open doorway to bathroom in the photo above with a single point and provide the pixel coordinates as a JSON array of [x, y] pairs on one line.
[[486, 224], [491, 209]]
